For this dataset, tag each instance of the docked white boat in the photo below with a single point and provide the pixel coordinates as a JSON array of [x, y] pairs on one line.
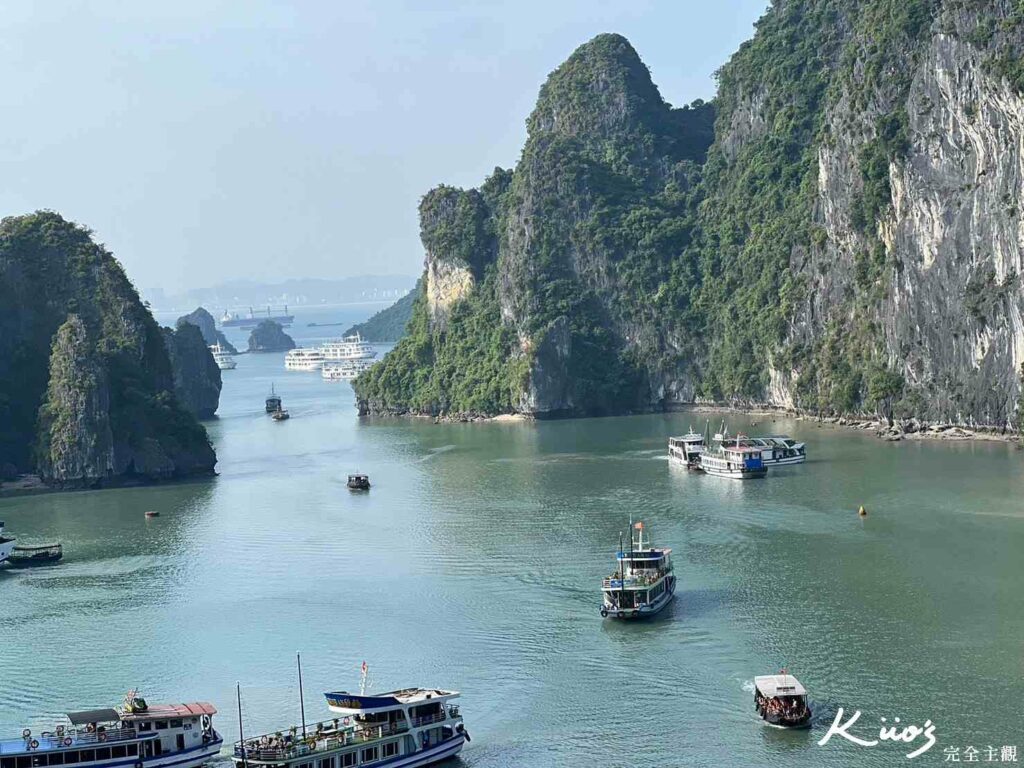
[[735, 460], [6, 545], [223, 358], [643, 583], [346, 370], [135, 736], [303, 359], [408, 728], [687, 448], [348, 348]]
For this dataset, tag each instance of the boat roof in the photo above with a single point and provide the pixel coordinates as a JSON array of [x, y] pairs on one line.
[[779, 685], [164, 711], [354, 703], [653, 553], [86, 716]]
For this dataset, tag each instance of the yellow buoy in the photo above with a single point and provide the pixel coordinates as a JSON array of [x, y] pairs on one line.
[[862, 512]]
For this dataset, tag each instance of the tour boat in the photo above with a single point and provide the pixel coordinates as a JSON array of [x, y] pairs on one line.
[[273, 401], [779, 450], [6, 545], [36, 554], [736, 460], [408, 728], [302, 359], [223, 358], [687, 448], [135, 736], [781, 701], [643, 583], [358, 482], [348, 348], [346, 370], [280, 415]]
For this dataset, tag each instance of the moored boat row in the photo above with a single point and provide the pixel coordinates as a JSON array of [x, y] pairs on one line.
[[740, 457]]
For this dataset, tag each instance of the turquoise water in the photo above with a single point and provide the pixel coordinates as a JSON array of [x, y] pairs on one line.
[[474, 563]]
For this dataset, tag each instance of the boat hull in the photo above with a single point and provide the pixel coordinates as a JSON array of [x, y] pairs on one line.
[[5, 550]]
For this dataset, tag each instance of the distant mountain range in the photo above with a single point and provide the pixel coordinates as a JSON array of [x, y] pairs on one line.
[[297, 292]]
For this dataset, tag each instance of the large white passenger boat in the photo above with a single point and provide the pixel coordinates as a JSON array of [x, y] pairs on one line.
[[135, 736], [408, 728], [348, 348], [643, 582], [223, 358], [6, 545], [345, 371], [737, 460], [302, 359]]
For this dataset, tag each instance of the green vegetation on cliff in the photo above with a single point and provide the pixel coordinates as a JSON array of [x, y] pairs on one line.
[[750, 249], [107, 368]]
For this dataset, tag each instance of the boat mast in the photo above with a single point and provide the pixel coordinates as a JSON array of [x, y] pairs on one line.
[[622, 574], [241, 736], [302, 703]]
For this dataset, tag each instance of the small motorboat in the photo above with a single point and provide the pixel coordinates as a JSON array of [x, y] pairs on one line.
[[273, 401], [27, 555], [280, 414], [359, 482], [152, 513], [781, 701]]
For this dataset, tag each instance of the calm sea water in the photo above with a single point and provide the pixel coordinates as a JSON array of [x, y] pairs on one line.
[[474, 563]]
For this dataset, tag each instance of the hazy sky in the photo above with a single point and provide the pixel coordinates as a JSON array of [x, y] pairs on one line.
[[204, 140]]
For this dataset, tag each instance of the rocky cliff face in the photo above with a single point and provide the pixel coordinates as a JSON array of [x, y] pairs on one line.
[[847, 239], [197, 379], [204, 321], [269, 336], [86, 385]]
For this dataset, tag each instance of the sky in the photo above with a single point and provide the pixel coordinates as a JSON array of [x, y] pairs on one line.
[[204, 140]]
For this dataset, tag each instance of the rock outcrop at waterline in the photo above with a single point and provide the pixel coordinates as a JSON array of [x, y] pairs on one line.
[[269, 336], [197, 379], [87, 393], [204, 321], [847, 239]]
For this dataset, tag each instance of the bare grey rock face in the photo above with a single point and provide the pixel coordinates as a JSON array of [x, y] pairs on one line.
[[197, 379]]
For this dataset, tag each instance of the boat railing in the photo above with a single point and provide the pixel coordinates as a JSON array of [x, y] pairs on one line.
[[437, 717], [78, 737], [635, 580], [359, 734]]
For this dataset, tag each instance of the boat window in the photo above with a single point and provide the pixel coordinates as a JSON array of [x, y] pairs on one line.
[[368, 755], [133, 749], [161, 725], [71, 757], [38, 761], [57, 758], [103, 753], [24, 762], [325, 763], [175, 723], [121, 751], [85, 756], [389, 749], [6, 762], [145, 726], [347, 759]]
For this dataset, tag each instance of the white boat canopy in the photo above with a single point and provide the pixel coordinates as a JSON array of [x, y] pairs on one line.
[[779, 685]]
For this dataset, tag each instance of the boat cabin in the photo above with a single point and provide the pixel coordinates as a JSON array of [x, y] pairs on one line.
[[358, 482], [36, 554], [781, 700]]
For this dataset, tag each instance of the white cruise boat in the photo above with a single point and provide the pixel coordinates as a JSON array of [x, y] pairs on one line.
[[643, 582], [303, 359], [6, 545], [408, 728], [223, 358], [345, 371], [348, 348], [687, 448], [135, 736], [779, 450], [736, 460]]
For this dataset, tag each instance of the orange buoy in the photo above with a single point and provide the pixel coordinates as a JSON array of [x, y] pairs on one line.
[[862, 512]]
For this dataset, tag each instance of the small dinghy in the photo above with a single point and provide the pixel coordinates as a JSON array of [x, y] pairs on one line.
[[781, 701], [358, 482], [280, 414], [38, 554]]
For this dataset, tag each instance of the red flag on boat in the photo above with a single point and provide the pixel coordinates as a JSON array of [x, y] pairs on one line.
[[639, 526]]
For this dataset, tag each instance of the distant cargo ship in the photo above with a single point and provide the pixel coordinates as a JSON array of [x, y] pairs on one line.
[[234, 320]]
